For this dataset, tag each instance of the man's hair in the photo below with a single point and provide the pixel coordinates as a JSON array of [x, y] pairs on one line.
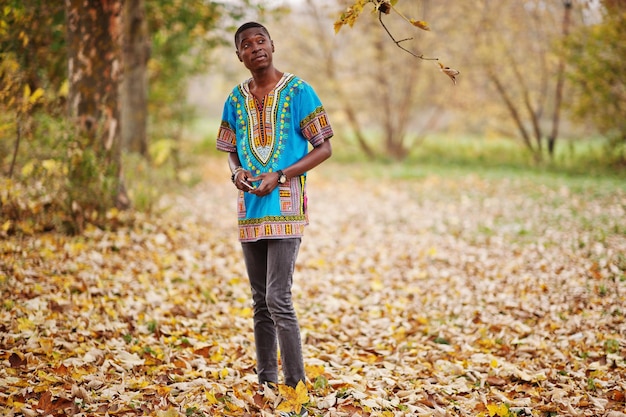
[[249, 25]]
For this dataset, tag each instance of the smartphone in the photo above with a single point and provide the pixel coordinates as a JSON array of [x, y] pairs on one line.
[[247, 184]]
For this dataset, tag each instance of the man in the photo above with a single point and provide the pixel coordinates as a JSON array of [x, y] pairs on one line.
[[268, 123]]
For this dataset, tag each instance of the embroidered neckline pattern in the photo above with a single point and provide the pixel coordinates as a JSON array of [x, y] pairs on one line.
[[263, 140]]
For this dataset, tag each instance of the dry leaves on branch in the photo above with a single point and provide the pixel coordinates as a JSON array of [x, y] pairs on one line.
[[437, 297]]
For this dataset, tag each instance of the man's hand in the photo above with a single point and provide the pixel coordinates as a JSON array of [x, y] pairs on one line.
[[242, 181], [266, 183]]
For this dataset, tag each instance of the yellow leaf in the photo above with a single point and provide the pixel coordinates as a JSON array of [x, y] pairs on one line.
[[17, 405], [27, 92], [498, 410], [113, 213], [377, 285], [28, 169], [217, 356], [36, 96], [313, 371], [210, 397], [112, 313], [48, 377], [161, 150], [350, 15], [212, 298], [7, 127], [170, 412], [50, 165], [243, 312], [294, 398], [47, 345], [24, 37], [64, 89], [24, 324], [6, 225], [420, 24], [26, 227]]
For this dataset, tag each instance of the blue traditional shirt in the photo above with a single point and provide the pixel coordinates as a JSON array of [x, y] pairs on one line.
[[269, 136]]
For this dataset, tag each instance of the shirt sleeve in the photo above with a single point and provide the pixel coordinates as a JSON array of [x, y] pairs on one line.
[[314, 123], [226, 135]]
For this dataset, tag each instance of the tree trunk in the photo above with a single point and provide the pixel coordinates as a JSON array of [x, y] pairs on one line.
[[508, 101], [393, 135], [330, 70], [134, 87], [558, 94], [94, 61]]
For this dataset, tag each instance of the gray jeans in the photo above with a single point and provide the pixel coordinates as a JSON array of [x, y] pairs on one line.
[[270, 264]]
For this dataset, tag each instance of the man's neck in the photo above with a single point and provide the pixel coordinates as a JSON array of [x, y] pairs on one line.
[[266, 79]]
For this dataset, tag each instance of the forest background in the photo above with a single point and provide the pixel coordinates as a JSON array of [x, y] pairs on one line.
[[543, 91], [476, 261]]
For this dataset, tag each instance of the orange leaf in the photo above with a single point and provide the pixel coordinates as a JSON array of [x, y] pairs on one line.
[[420, 24], [48, 405]]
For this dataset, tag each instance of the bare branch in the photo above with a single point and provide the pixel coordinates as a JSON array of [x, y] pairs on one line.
[[421, 56]]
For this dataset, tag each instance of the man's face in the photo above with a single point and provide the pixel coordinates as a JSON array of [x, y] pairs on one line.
[[255, 48]]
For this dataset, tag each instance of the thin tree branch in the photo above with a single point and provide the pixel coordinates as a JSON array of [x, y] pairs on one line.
[[17, 146], [421, 56]]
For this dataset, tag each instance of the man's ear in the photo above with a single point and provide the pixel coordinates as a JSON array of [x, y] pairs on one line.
[[273, 50], [238, 56]]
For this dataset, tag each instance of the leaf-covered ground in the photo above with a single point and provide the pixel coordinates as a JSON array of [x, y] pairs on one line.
[[431, 297]]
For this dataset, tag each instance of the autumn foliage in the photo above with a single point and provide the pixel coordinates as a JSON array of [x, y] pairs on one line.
[[438, 296]]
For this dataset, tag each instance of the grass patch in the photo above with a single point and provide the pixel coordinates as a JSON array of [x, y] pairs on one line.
[[578, 164]]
